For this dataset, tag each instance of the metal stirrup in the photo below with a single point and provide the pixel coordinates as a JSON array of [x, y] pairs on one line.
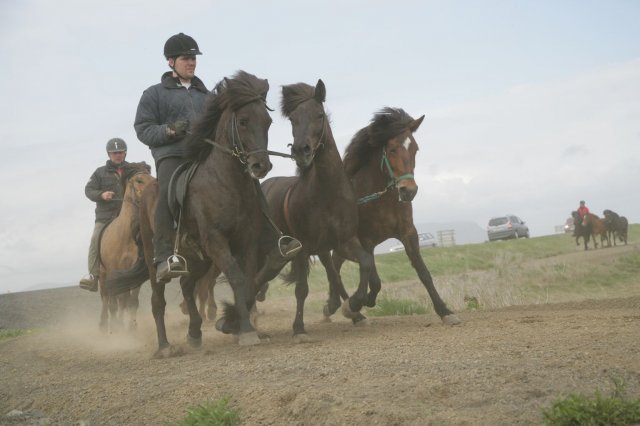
[[175, 257]]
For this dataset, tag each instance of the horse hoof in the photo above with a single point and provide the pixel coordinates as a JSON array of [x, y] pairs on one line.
[[326, 319], [168, 352], [451, 319], [301, 338], [326, 311], [347, 312], [360, 321], [194, 342], [248, 339]]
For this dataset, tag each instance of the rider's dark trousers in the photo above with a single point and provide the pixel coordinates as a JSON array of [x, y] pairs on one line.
[[165, 233]]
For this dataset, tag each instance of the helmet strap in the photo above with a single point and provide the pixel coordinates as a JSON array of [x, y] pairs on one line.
[[173, 68]]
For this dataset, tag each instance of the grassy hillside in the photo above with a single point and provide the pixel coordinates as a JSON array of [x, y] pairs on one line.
[[536, 270]]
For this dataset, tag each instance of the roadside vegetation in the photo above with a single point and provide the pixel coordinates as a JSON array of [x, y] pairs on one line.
[[212, 413], [6, 334], [611, 410], [493, 275]]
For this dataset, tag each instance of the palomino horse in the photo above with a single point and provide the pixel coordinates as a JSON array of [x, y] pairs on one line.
[[318, 206], [598, 227], [380, 161], [122, 269], [581, 230], [221, 217]]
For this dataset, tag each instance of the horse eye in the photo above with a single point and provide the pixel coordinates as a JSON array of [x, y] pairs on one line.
[[244, 122]]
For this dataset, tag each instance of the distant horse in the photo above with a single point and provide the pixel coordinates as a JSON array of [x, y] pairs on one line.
[[581, 230], [380, 162], [597, 228], [617, 226], [221, 217], [122, 269], [318, 206]]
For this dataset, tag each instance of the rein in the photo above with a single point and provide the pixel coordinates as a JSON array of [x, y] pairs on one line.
[[238, 150], [393, 180]]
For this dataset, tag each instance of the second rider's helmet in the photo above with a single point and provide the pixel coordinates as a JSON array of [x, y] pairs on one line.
[[180, 45], [116, 145]]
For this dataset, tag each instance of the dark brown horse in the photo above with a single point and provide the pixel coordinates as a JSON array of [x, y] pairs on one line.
[[597, 227], [617, 226], [380, 162], [318, 206], [122, 267], [221, 217]]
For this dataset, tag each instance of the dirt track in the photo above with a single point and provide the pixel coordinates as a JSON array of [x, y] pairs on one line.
[[499, 367]]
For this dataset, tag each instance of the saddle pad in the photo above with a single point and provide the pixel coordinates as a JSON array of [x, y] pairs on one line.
[[178, 186]]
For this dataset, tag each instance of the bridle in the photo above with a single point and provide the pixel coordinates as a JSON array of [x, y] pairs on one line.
[[238, 151], [385, 166], [320, 143]]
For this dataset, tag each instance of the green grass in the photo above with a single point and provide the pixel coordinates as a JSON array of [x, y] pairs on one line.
[[495, 274], [388, 306], [579, 410], [212, 413], [10, 334]]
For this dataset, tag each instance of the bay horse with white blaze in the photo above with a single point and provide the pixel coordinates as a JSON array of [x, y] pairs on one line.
[[221, 217], [122, 264], [380, 163]]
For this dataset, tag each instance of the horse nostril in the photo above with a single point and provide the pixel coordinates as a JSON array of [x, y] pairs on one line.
[[307, 149]]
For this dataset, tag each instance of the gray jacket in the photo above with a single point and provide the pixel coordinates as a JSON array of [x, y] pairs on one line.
[[106, 178], [163, 104]]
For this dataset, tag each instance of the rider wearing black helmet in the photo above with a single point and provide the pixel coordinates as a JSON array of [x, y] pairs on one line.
[[105, 189], [162, 121]]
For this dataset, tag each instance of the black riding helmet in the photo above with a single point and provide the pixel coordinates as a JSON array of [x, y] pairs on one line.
[[180, 45], [116, 145]]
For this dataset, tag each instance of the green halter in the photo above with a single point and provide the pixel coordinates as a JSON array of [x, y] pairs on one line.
[[393, 180]]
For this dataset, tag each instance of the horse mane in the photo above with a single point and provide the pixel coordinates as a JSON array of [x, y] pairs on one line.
[[230, 93], [385, 124], [293, 95]]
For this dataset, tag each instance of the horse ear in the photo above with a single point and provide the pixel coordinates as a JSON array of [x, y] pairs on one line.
[[413, 126], [320, 92]]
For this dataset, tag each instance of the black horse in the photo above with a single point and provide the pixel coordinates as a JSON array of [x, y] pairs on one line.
[[617, 226], [581, 230], [318, 206], [380, 162], [221, 216]]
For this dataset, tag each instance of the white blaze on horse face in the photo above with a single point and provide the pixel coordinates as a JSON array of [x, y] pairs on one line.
[[407, 143]]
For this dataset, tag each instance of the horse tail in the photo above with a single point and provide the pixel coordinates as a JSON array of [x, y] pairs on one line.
[[129, 279]]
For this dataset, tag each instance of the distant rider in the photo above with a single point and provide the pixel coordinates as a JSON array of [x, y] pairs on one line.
[[583, 210]]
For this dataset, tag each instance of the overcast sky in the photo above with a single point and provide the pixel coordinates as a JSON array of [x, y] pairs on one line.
[[530, 105]]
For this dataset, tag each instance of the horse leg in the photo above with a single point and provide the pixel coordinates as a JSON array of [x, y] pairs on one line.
[[113, 314], [236, 318], [302, 291], [212, 309], [158, 305], [188, 285], [336, 287], [412, 248], [104, 313], [354, 251], [134, 303]]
